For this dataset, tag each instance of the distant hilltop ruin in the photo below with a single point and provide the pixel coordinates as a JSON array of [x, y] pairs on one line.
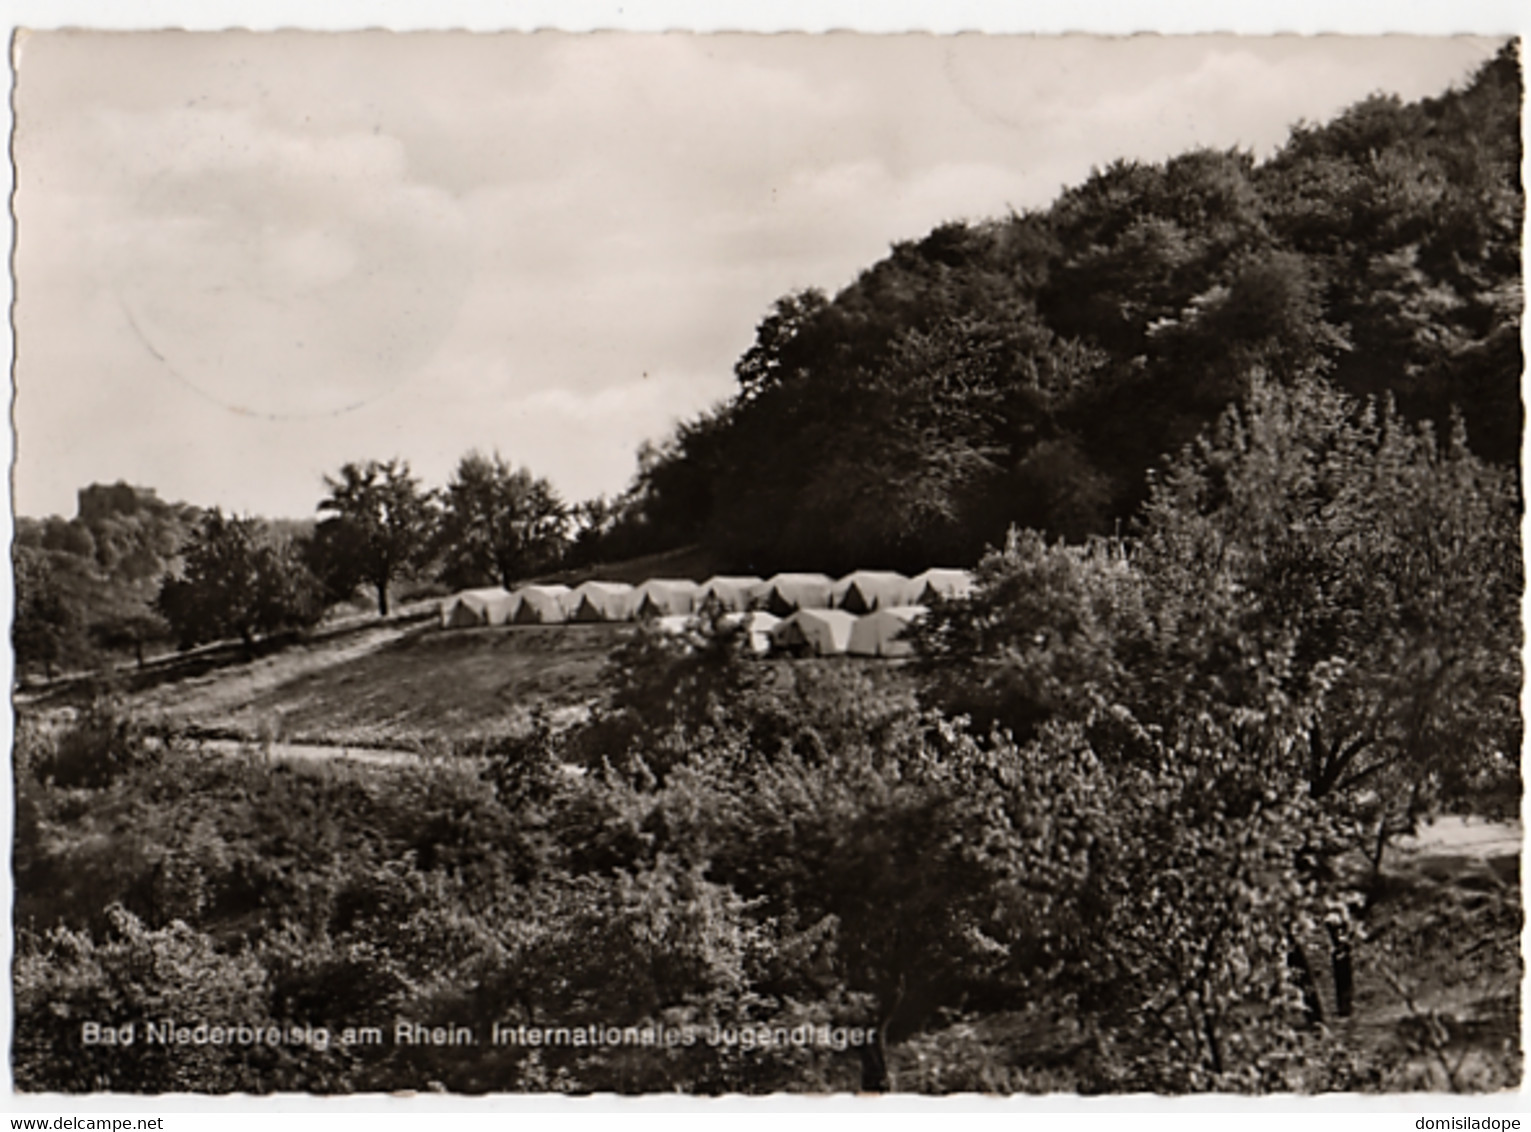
[[99, 500]]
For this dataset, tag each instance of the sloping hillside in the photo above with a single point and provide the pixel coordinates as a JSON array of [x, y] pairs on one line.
[[1031, 369], [408, 685]]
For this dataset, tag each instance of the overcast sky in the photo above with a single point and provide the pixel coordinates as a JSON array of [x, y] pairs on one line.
[[245, 258]]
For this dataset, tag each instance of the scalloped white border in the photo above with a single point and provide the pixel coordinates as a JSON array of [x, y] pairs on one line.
[[1114, 17], [1047, 17]]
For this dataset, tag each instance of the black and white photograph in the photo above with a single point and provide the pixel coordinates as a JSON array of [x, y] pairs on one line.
[[669, 562]]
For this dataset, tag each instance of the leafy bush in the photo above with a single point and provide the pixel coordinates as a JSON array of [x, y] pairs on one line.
[[66, 980], [100, 745]]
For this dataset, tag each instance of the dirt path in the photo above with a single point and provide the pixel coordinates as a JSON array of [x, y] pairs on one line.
[[310, 753], [1452, 836], [313, 754]]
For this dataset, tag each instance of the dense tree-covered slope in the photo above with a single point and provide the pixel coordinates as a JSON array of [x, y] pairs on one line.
[[1030, 369]]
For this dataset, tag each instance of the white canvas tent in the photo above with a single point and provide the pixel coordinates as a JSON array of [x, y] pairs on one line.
[[783, 594], [600, 601], [878, 634], [540, 605], [732, 592], [665, 597], [674, 623], [757, 623], [824, 632], [936, 584], [489, 606], [500, 608], [865, 590], [456, 615]]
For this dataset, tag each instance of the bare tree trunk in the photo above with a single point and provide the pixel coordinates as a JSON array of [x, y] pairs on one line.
[[1344, 968], [1297, 962], [874, 1068], [874, 1055]]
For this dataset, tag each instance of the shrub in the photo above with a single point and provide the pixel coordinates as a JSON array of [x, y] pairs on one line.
[[100, 745], [65, 979]]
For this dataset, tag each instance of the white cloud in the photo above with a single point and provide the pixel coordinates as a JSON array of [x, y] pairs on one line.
[[276, 271]]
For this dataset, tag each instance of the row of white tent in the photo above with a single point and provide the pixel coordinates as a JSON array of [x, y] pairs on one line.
[[822, 632], [858, 593]]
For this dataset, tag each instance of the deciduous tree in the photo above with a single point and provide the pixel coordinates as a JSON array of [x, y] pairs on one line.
[[44, 624], [237, 582], [385, 520], [499, 522]]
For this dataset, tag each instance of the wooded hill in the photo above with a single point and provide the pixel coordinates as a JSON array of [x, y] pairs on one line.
[[89, 588], [90, 582], [1030, 369]]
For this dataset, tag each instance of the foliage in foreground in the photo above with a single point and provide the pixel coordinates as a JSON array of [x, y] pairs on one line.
[[880, 868]]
